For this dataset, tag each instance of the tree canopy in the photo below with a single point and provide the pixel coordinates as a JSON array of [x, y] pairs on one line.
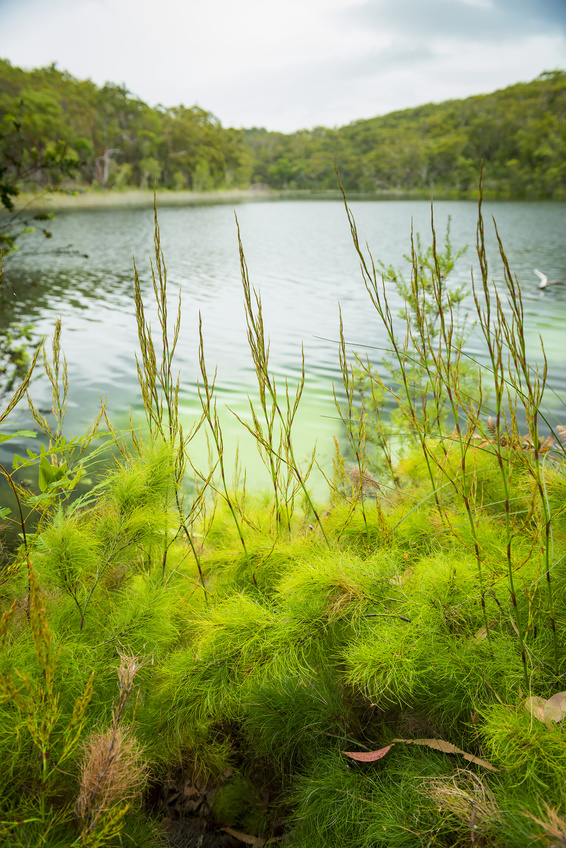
[[50, 121], [519, 133]]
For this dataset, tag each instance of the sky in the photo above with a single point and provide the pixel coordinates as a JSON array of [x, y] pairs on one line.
[[292, 65]]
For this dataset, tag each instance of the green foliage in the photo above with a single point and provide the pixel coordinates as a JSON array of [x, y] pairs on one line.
[[342, 804], [113, 140], [518, 134], [108, 137], [31, 149], [15, 356]]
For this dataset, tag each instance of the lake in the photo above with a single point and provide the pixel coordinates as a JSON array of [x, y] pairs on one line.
[[302, 261]]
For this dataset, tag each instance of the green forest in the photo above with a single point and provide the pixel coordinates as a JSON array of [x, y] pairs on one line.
[[57, 131]]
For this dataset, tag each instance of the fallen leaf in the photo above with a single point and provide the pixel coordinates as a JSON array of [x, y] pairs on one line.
[[547, 444], [368, 756], [555, 708], [400, 579], [190, 790], [256, 841], [447, 748], [482, 632], [535, 706]]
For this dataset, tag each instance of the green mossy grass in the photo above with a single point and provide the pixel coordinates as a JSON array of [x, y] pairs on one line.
[[298, 653]]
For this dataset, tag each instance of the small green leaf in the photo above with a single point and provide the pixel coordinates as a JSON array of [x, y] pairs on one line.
[[23, 434], [46, 472]]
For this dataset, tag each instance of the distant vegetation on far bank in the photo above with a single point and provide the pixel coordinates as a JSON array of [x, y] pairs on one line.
[[107, 138]]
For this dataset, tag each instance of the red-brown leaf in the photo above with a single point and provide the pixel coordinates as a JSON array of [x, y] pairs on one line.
[[368, 756]]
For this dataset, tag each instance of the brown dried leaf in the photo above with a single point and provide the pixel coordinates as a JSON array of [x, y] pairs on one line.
[[400, 579], [447, 748], [555, 708], [547, 444], [482, 632], [189, 790], [368, 756], [255, 841], [535, 706], [561, 430]]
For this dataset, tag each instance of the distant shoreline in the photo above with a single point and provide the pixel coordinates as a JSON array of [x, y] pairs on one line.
[[135, 198], [84, 198]]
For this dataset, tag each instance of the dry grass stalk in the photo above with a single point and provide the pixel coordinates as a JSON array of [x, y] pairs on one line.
[[364, 481], [554, 827], [466, 796], [127, 670], [114, 771]]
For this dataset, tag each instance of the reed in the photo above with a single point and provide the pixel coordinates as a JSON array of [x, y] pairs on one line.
[[210, 416], [159, 387], [356, 483], [433, 351], [286, 474]]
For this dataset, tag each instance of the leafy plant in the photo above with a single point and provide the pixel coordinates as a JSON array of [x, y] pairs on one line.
[[18, 163]]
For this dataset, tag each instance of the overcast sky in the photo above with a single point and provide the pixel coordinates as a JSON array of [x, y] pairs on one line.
[[292, 64]]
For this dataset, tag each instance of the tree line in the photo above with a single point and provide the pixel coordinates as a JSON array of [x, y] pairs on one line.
[[54, 127]]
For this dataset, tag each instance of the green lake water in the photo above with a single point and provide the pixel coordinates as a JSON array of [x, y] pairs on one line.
[[302, 261]]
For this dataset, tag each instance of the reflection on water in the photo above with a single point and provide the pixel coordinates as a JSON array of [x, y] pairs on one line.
[[300, 258]]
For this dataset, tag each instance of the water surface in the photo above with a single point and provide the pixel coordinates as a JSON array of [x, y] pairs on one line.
[[302, 261]]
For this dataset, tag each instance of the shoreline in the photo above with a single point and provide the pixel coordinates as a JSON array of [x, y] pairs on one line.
[[80, 199], [88, 199]]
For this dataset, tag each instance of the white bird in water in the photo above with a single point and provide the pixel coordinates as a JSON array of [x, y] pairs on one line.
[[544, 281]]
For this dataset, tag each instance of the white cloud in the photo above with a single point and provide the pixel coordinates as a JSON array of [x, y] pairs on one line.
[[292, 65]]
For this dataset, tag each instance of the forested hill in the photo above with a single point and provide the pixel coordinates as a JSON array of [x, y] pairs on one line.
[[519, 133], [114, 140]]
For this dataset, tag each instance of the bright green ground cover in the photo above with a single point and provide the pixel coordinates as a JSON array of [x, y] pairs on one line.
[[245, 645]]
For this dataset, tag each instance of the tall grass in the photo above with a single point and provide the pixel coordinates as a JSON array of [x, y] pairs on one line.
[[433, 346]]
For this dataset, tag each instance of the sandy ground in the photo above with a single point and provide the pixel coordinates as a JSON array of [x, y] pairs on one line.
[[87, 198], [136, 198]]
